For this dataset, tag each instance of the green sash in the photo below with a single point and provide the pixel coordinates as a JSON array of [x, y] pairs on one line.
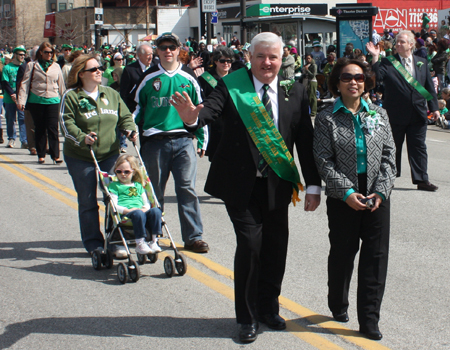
[[210, 79], [409, 78], [261, 128]]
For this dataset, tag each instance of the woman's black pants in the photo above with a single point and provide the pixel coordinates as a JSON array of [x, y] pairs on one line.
[[46, 118]]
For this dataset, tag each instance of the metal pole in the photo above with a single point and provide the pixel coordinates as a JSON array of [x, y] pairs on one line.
[[97, 29], [243, 28]]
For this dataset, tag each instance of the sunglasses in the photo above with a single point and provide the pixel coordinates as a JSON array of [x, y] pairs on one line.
[[165, 47], [48, 52], [224, 61], [20, 54], [347, 77], [118, 59], [125, 172], [93, 70]]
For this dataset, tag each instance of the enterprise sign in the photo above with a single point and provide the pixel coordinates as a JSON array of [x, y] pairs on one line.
[[260, 10]]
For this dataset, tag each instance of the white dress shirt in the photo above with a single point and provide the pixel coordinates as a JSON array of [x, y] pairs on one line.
[[411, 62]]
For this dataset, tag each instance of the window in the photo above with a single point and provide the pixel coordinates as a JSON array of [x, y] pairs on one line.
[[62, 6], [53, 7]]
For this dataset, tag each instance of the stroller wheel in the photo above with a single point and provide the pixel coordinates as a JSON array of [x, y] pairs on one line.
[[152, 258], [181, 265], [109, 259], [169, 266], [96, 260], [122, 273], [142, 259], [133, 271]]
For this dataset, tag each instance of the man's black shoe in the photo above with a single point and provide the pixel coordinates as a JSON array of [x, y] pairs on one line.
[[426, 186], [247, 333], [341, 317], [374, 335], [273, 321]]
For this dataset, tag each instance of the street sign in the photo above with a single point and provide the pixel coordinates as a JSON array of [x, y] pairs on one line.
[[214, 17], [98, 15], [209, 6]]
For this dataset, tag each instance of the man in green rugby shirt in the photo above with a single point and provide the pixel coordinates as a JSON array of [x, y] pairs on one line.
[[166, 146], [9, 98]]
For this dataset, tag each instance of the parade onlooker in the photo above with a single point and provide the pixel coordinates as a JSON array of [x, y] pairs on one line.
[[421, 50], [357, 163], [287, 64], [222, 59], [41, 90], [309, 73], [107, 75], [439, 61], [107, 112], [318, 55], [29, 123], [9, 75]]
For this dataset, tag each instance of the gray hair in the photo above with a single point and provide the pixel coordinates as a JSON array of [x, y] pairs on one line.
[[266, 38], [445, 91], [222, 51], [408, 34], [140, 48]]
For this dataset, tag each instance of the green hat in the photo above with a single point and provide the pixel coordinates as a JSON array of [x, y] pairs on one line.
[[106, 47], [66, 46], [19, 48], [316, 43]]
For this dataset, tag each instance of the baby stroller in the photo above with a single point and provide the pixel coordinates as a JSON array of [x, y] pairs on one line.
[[119, 230]]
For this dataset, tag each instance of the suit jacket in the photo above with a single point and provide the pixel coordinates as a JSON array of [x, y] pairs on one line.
[[404, 104], [233, 170], [335, 153]]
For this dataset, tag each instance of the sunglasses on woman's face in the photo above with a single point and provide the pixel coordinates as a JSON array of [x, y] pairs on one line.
[[47, 52], [118, 59], [93, 70], [347, 77], [224, 61], [125, 172]]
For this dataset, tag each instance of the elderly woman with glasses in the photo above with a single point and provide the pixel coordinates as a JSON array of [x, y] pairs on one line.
[[355, 155], [90, 114], [41, 90], [222, 59]]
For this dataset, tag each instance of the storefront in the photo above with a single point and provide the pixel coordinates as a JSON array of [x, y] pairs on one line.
[[297, 24]]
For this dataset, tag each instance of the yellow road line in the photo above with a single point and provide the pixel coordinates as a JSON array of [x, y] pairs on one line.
[[324, 322], [42, 187]]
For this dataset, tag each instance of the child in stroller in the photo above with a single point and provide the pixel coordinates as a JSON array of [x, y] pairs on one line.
[[130, 199]]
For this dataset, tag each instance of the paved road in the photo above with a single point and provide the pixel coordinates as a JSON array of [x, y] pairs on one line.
[[51, 298]]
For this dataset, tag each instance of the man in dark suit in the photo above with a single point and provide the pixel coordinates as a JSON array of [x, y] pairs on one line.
[[406, 106], [133, 72], [257, 204]]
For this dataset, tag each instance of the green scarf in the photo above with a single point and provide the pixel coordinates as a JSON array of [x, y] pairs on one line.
[[45, 64]]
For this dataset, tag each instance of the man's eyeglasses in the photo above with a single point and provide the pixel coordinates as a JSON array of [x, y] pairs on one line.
[[21, 54], [125, 172], [47, 52], [347, 77], [224, 61], [93, 70], [165, 47]]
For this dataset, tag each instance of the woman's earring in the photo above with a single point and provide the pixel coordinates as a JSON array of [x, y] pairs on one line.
[[338, 90]]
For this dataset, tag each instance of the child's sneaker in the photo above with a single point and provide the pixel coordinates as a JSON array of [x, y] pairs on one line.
[[155, 246], [445, 124], [144, 249]]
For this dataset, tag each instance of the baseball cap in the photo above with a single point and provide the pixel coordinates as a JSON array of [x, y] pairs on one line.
[[168, 37], [19, 48]]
